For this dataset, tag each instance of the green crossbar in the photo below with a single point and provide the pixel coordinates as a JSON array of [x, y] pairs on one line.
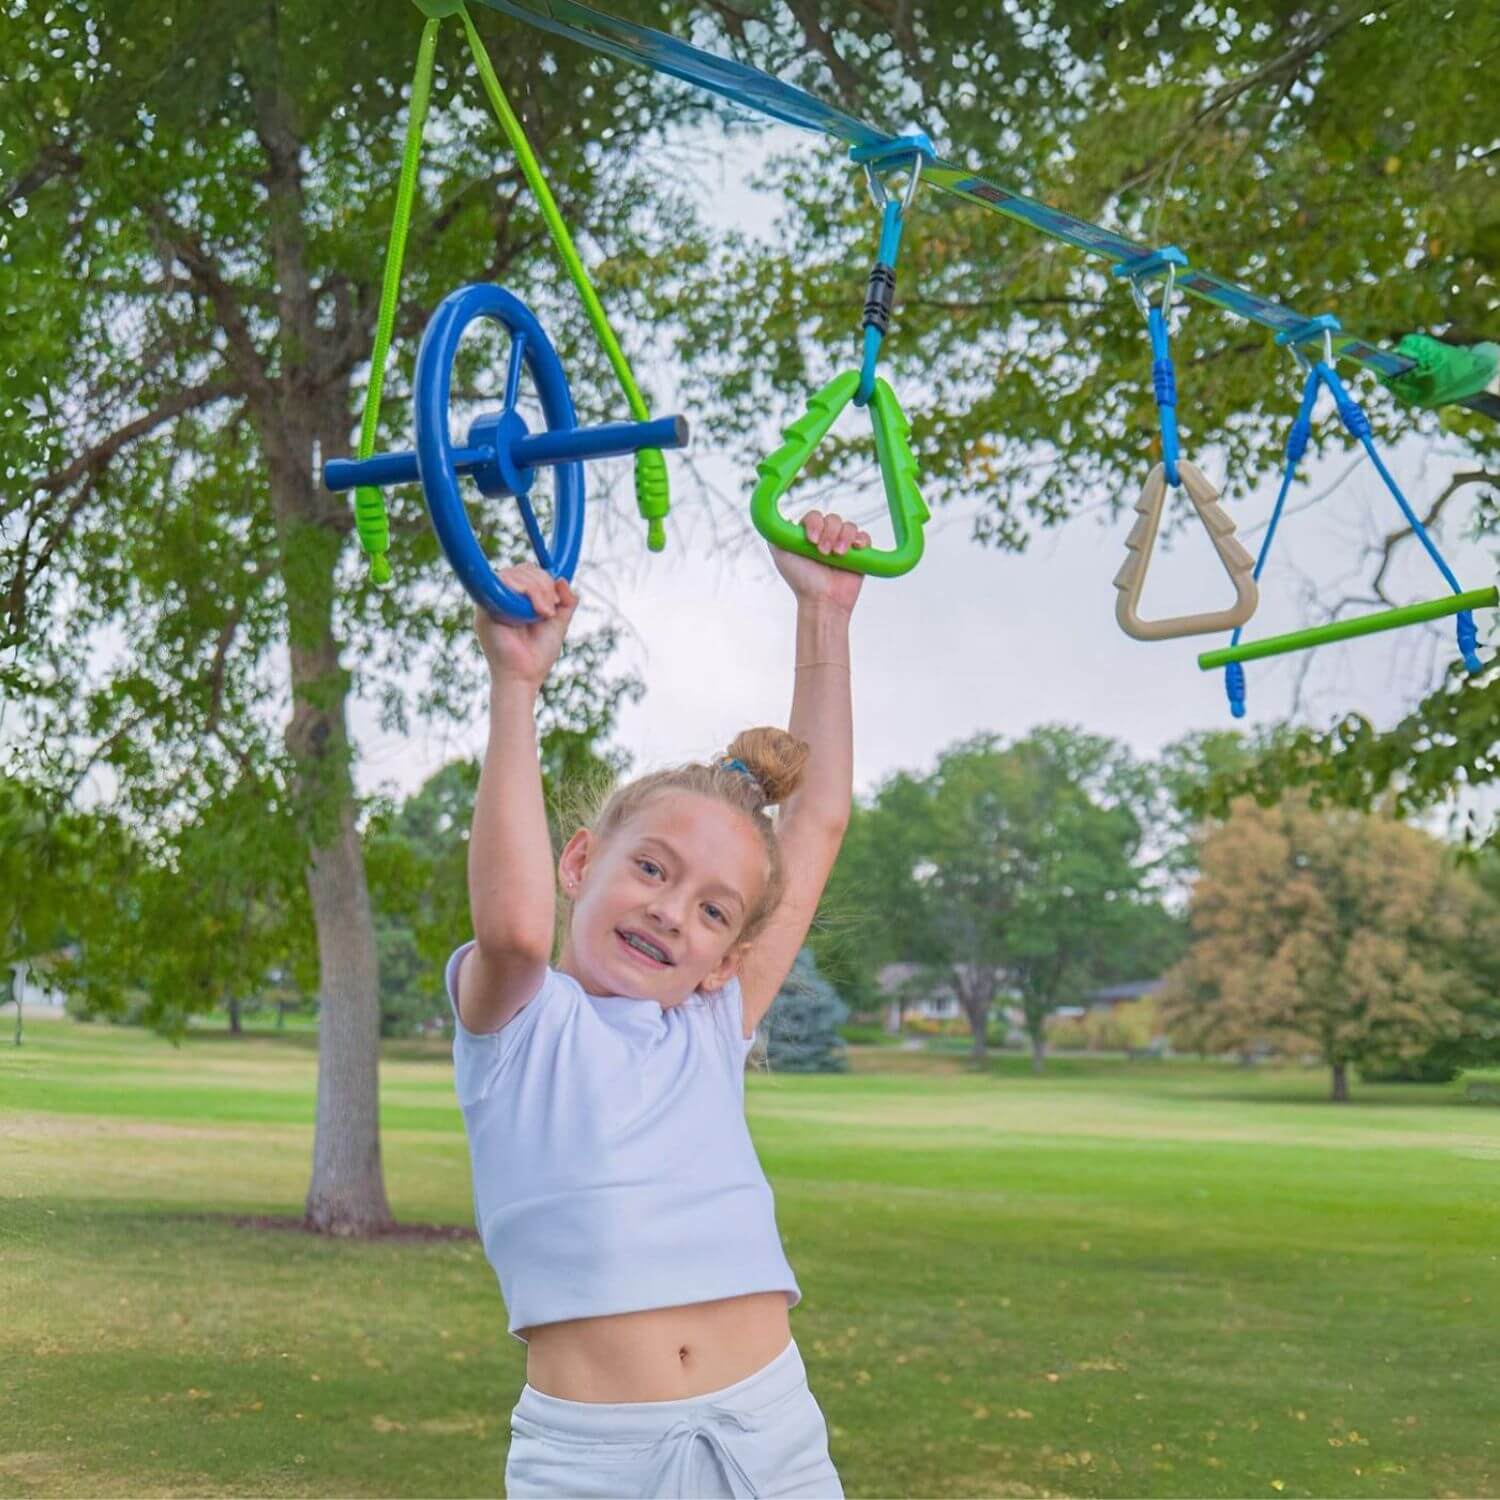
[[1344, 630]]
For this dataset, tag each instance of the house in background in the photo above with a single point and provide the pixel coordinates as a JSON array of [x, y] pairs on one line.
[[1112, 996], [923, 991]]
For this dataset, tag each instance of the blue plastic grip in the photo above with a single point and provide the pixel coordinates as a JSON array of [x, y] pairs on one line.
[[611, 440], [390, 468], [1468, 641], [891, 224], [1234, 687], [1165, 382]]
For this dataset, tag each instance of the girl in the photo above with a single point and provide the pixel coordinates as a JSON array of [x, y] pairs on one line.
[[616, 1187]]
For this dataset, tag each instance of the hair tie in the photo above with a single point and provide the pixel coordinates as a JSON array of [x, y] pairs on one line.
[[730, 763]]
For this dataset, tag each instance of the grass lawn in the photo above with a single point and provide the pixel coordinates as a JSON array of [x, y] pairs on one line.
[[1151, 1279]]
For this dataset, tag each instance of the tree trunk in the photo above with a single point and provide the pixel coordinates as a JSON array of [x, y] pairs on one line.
[[347, 1193], [304, 404], [1038, 1051], [976, 993], [235, 1029], [1340, 1083], [12, 992], [979, 1027]]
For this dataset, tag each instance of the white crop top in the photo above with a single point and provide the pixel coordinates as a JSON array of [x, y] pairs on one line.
[[613, 1168]]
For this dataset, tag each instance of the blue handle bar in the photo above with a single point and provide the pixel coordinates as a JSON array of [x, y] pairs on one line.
[[611, 440]]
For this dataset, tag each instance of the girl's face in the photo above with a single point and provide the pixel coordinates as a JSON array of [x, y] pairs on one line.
[[659, 905]]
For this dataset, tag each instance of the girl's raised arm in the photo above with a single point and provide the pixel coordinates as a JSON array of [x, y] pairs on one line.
[[512, 896], [812, 823]]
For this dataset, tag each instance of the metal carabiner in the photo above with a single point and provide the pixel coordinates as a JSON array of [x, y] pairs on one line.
[[1143, 302], [917, 146], [880, 194], [1138, 268], [1293, 338]]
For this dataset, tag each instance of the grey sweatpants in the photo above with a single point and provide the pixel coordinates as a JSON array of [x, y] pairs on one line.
[[763, 1436]]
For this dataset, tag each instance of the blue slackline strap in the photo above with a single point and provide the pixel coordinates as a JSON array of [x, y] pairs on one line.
[[783, 101]]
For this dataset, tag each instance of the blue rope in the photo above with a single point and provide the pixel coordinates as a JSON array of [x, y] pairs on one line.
[[1357, 424], [1164, 379], [876, 319], [1296, 446]]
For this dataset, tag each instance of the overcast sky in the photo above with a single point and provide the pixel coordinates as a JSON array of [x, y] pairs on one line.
[[976, 640]]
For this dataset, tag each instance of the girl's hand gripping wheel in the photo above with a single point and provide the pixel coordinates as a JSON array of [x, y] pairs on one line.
[[501, 454]]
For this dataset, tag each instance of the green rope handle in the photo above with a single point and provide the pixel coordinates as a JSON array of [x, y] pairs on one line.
[[651, 494], [370, 519]]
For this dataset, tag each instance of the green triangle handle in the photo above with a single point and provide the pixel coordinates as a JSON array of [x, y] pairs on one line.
[[898, 469]]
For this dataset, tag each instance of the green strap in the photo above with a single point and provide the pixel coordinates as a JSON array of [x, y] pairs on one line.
[[651, 495], [369, 504]]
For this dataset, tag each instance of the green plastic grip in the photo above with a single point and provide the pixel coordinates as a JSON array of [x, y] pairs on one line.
[[652, 497], [898, 469], [1343, 630]]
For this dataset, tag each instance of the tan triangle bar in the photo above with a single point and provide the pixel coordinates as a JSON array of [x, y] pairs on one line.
[[1141, 542]]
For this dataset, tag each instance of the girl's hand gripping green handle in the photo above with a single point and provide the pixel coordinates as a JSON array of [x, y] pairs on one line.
[[897, 468]]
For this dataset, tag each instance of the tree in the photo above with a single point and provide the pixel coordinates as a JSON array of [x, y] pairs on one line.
[[195, 206], [1010, 864], [48, 856], [197, 918], [1327, 931], [801, 1027]]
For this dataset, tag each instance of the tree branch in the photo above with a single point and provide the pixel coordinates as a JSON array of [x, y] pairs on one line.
[[52, 161], [245, 358], [95, 458], [822, 43], [1394, 539]]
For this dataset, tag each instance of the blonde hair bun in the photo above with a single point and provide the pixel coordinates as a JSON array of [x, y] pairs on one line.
[[776, 759]]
